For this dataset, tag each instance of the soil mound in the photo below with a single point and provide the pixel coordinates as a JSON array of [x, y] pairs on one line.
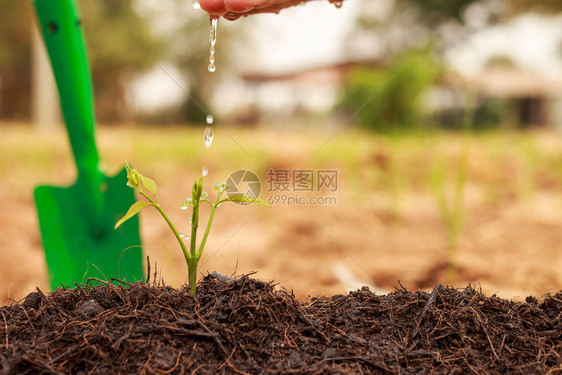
[[246, 326]]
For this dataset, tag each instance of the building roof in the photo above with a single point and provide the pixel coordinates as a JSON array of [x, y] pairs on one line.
[[514, 83], [320, 74]]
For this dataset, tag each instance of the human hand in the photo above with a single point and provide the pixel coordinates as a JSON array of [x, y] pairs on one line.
[[234, 9]]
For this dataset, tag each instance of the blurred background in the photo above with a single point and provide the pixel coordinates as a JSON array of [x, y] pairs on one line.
[[442, 119]]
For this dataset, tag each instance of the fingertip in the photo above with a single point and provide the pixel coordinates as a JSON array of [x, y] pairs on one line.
[[239, 6], [213, 7]]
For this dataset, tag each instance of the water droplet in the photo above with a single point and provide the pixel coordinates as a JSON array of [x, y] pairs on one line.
[[181, 234], [184, 207], [213, 31], [210, 119], [196, 4], [212, 40], [208, 137], [338, 4], [204, 171]]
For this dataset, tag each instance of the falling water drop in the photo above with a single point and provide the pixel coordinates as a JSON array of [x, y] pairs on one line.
[[213, 40], [196, 4], [181, 234], [213, 31], [204, 171], [210, 119], [208, 137]]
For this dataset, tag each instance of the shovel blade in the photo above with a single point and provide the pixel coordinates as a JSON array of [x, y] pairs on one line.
[[75, 250]]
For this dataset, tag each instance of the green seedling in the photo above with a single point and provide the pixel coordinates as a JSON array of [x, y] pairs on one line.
[[452, 214], [148, 189]]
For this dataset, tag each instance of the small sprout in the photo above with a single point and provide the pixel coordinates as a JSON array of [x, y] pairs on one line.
[[133, 177], [221, 187], [133, 210], [192, 255], [185, 204]]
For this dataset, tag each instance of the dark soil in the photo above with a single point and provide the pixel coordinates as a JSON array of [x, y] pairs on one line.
[[246, 326]]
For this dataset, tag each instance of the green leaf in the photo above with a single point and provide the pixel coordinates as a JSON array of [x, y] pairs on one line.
[[149, 184], [221, 187], [133, 210], [133, 177], [186, 203], [199, 188], [241, 198]]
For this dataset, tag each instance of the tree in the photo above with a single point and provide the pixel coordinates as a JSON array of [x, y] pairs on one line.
[[390, 97], [406, 24], [15, 54], [119, 44], [542, 6]]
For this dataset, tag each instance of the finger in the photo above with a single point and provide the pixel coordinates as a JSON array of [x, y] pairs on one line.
[[213, 7], [241, 6], [245, 6]]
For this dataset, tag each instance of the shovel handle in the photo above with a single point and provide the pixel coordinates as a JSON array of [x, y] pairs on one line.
[[60, 25]]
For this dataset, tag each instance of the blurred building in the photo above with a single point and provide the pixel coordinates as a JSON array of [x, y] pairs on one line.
[[511, 96], [535, 99], [293, 93], [505, 95], [311, 90]]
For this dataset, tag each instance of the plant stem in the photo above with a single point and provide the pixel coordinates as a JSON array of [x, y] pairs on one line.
[[192, 275], [194, 226], [180, 241], [207, 230], [193, 261], [194, 258]]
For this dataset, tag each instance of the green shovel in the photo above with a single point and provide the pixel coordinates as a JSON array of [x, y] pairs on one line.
[[77, 222]]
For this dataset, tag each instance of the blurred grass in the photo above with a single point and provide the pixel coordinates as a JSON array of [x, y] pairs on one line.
[[394, 166], [385, 197]]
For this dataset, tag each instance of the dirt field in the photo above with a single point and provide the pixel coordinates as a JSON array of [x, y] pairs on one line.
[[244, 326], [385, 225]]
